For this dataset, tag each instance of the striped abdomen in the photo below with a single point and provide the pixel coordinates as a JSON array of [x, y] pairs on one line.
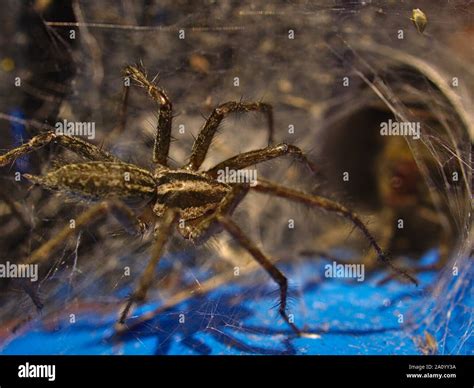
[[100, 180]]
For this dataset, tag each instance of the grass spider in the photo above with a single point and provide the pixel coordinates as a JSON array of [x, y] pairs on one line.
[[198, 198]]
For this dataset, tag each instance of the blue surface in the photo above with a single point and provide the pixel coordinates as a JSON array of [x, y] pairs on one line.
[[351, 317]]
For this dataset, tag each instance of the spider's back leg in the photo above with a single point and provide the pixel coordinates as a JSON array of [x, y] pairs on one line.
[[74, 144], [118, 209]]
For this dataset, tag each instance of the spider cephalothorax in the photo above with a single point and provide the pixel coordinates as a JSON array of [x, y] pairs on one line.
[[194, 194], [195, 201]]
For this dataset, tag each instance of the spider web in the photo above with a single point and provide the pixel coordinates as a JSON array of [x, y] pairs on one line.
[[198, 304]]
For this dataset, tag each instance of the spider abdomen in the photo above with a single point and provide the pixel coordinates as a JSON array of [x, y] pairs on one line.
[[99, 180]]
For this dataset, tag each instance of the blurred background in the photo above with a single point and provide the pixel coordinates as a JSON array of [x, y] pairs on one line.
[[333, 71]]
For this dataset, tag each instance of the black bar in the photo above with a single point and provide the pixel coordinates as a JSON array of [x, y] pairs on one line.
[[316, 371]]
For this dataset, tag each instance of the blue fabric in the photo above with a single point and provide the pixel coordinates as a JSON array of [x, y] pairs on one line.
[[352, 318]]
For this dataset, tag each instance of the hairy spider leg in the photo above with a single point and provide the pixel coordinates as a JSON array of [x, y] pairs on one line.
[[165, 113], [258, 156], [117, 208], [161, 236], [74, 144], [236, 232], [386, 239], [370, 259], [206, 134], [271, 188], [221, 218]]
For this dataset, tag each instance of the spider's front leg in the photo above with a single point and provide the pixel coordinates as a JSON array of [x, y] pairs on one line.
[[161, 236], [204, 139], [165, 113], [74, 144]]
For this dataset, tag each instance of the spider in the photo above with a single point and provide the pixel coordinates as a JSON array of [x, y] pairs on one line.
[[195, 202]]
